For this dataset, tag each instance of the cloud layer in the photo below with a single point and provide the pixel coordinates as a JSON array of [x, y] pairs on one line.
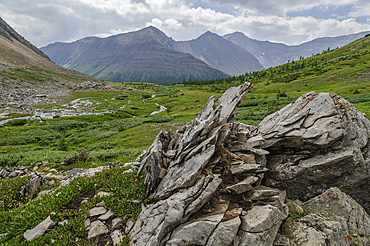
[[289, 21]]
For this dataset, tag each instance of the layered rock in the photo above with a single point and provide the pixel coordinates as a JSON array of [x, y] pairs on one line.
[[205, 177], [318, 142], [201, 186]]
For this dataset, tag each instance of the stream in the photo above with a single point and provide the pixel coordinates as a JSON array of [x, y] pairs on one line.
[[40, 114]]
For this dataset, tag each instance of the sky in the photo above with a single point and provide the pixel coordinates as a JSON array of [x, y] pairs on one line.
[[287, 21]]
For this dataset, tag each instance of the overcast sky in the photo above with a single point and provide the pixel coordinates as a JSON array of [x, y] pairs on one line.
[[289, 21]]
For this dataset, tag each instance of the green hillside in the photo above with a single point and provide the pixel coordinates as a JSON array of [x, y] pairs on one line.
[[344, 71]]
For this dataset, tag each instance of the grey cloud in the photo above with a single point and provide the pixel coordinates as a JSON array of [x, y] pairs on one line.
[[280, 7], [44, 22]]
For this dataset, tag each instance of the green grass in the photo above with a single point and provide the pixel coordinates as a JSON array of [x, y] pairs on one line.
[[123, 188]]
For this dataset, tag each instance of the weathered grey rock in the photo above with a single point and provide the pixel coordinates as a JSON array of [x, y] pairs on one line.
[[212, 167], [97, 211], [30, 188], [334, 219], [117, 237], [100, 204], [129, 225], [333, 202], [262, 218], [106, 216], [97, 228], [264, 193], [87, 223], [243, 186], [225, 233], [318, 142], [195, 233], [37, 231], [157, 220], [63, 222], [117, 223], [102, 193], [315, 229], [265, 238]]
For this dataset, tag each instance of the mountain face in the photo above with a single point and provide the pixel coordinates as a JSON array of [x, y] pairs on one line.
[[273, 54], [143, 55], [219, 53]]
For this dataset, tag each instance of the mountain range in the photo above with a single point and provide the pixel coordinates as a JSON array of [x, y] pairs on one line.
[[272, 54], [150, 55]]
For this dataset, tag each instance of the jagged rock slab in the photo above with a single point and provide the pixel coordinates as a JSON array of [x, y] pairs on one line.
[[225, 233], [196, 232], [117, 237], [97, 211], [97, 228], [157, 220], [29, 235]]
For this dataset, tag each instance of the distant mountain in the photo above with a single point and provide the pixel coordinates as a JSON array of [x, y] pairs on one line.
[[144, 55], [273, 54], [18, 52], [219, 53]]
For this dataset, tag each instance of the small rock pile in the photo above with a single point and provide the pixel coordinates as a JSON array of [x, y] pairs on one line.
[[215, 182], [99, 221], [94, 86], [13, 172]]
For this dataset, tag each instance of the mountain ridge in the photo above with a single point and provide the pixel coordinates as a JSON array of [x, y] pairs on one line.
[[143, 55], [225, 56], [272, 54]]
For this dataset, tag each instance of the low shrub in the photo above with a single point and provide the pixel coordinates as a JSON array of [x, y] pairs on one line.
[[16, 122]]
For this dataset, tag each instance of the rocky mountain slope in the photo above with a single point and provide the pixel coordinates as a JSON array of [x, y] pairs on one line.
[[219, 53], [136, 56], [18, 52], [273, 54], [28, 77]]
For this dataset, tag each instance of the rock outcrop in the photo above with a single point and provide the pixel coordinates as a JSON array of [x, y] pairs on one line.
[[206, 177], [334, 219], [318, 142], [201, 186]]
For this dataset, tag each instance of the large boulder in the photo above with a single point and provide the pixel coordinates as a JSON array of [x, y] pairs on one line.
[[319, 141], [334, 219]]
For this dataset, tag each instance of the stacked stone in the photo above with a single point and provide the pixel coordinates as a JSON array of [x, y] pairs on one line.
[[204, 184]]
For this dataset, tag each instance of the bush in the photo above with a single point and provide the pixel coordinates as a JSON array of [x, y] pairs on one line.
[[281, 94], [66, 125], [82, 156], [367, 35], [121, 97], [16, 122], [146, 96]]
